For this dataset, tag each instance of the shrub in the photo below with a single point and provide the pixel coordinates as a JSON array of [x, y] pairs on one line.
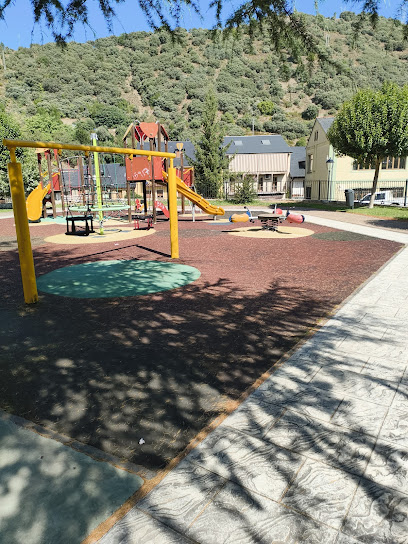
[[267, 107], [311, 112], [244, 190]]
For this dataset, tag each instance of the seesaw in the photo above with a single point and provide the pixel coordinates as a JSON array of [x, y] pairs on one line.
[[269, 221]]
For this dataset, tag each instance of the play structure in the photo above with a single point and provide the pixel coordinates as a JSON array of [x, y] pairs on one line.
[[20, 207], [78, 181], [88, 185], [152, 174], [98, 208], [38, 198], [75, 182], [269, 221]]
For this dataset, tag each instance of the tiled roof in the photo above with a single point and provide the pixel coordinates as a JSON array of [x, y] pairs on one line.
[[267, 143], [325, 122]]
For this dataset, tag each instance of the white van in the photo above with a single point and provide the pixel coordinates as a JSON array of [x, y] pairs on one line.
[[384, 198]]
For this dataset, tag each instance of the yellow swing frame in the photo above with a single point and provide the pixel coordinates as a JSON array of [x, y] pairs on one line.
[[20, 211]]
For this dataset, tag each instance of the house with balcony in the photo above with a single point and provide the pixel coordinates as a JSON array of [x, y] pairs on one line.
[[329, 174], [266, 158]]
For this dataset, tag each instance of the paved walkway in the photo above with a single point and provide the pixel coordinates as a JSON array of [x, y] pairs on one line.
[[318, 454]]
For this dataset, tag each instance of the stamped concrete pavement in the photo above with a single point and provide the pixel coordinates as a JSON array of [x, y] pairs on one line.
[[318, 453]]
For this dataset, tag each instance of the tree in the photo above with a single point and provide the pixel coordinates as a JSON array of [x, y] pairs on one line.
[[311, 112], [109, 116], [371, 126], [210, 155], [10, 130], [42, 126], [244, 189], [267, 107]]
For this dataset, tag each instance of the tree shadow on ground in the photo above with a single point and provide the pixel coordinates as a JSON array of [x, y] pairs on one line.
[[282, 464], [108, 372], [158, 367], [393, 224]]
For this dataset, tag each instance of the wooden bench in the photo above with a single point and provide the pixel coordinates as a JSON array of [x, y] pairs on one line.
[[87, 219]]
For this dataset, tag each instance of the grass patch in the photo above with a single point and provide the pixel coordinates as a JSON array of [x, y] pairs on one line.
[[223, 203], [391, 212]]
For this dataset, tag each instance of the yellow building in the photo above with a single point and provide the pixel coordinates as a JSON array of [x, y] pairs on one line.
[[328, 174]]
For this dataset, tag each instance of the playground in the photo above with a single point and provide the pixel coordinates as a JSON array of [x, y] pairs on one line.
[[148, 328], [105, 361]]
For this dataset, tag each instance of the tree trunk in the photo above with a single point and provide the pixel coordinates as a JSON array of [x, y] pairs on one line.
[[375, 182]]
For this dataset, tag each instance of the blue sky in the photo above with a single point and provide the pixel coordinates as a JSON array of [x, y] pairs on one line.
[[18, 28]]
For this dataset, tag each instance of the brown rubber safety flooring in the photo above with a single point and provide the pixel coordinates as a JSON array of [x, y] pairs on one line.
[[108, 372]]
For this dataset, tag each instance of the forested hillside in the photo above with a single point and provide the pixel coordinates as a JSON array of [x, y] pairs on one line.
[[65, 93]]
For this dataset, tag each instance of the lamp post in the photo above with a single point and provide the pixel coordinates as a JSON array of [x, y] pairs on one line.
[[329, 163]]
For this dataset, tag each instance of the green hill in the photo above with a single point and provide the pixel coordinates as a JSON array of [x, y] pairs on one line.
[[64, 93]]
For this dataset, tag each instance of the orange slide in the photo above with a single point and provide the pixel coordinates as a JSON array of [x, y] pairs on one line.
[[34, 202], [195, 198]]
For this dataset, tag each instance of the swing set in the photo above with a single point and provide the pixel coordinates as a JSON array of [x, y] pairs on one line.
[[20, 209]]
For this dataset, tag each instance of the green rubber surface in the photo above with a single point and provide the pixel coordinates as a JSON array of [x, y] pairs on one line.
[[60, 219], [111, 279]]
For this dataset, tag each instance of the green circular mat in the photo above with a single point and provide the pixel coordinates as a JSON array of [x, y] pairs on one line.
[[108, 279]]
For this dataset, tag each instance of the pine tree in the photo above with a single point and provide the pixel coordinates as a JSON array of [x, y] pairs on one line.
[[210, 155]]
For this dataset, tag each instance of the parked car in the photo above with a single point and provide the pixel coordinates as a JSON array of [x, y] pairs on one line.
[[385, 198]]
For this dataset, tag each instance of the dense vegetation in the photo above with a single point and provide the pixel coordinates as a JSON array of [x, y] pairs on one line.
[[64, 93]]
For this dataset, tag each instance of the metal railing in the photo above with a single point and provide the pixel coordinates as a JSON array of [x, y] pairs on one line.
[[334, 191]]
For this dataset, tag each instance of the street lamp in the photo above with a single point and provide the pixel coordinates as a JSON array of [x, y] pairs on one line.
[[329, 163]]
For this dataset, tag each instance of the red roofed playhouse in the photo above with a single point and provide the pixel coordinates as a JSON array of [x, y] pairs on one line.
[[151, 173]]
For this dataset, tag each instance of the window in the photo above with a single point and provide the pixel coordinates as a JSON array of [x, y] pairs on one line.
[[238, 142], [267, 176], [302, 164], [275, 183], [266, 142], [310, 163], [395, 163], [316, 135]]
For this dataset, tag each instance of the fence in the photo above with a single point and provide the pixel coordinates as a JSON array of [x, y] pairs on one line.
[[5, 203], [335, 190]]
